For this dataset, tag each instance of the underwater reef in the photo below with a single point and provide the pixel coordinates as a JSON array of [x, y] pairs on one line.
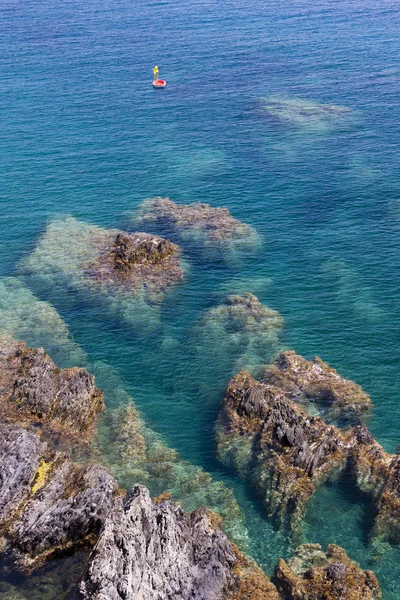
[[211, 228], [237, 333], [266, 434], [129, 274], [305, 114]]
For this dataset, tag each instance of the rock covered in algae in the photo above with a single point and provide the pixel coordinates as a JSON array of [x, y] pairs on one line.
[[33, 389], [264, 433], [156, 551], [125, 272], [313, 574], [48, 504], [134, 453], [314, 381], [210, 227], [377, 475], [137, 261], [240, 331], [284, 452], [304, 113]]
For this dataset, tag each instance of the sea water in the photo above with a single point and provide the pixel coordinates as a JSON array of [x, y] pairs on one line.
[[84, 134]]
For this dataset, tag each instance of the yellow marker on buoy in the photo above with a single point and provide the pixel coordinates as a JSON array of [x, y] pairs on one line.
[[158, 83]]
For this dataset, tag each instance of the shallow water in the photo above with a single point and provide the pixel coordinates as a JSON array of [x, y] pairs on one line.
[[83, 133]]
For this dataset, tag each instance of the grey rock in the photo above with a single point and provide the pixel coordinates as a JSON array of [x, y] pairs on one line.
[[158, 552], [71, 506], [20, 454]]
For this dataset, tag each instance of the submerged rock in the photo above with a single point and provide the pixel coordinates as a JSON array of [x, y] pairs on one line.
[[313, 574], [238, 333], [25, 317], [157, 551], [34, 390], [47, 503], [315, 382], [273, 442], [210, 227], [127, 273], [304, 113]]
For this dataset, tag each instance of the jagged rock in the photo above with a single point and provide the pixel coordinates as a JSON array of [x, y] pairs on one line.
[[135, 261], [34, 390], [264, 434], [47, 503], [315, 575], [387, 521], [210, 227], [68, 510], [314, 381], [377, 474], [158, 552], [273, 442], [20, 454]]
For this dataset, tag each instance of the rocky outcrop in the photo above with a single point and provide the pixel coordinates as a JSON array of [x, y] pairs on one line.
[[198, 222], [265, 434], [273, 442], [34, 390], [137, 261], [48, 504], [128, 274], [314, 382], [313, 574], [377, 474], [158, 552]]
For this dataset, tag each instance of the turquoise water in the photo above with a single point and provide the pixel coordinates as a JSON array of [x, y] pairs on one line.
[[83, 133]]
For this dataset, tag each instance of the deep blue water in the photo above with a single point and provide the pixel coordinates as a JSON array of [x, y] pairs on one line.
[[83, 133]]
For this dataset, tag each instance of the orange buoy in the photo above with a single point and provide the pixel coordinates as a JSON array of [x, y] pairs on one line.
[[159, 83]]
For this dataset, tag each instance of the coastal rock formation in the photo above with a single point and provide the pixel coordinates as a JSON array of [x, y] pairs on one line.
[[377, 474], [303, 113], [156, 551], [47, 503], [313, 574], [209, 227], [313, 381], [34, 390], [264, 433], [284, 452], [20, 455], [128, 274]]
